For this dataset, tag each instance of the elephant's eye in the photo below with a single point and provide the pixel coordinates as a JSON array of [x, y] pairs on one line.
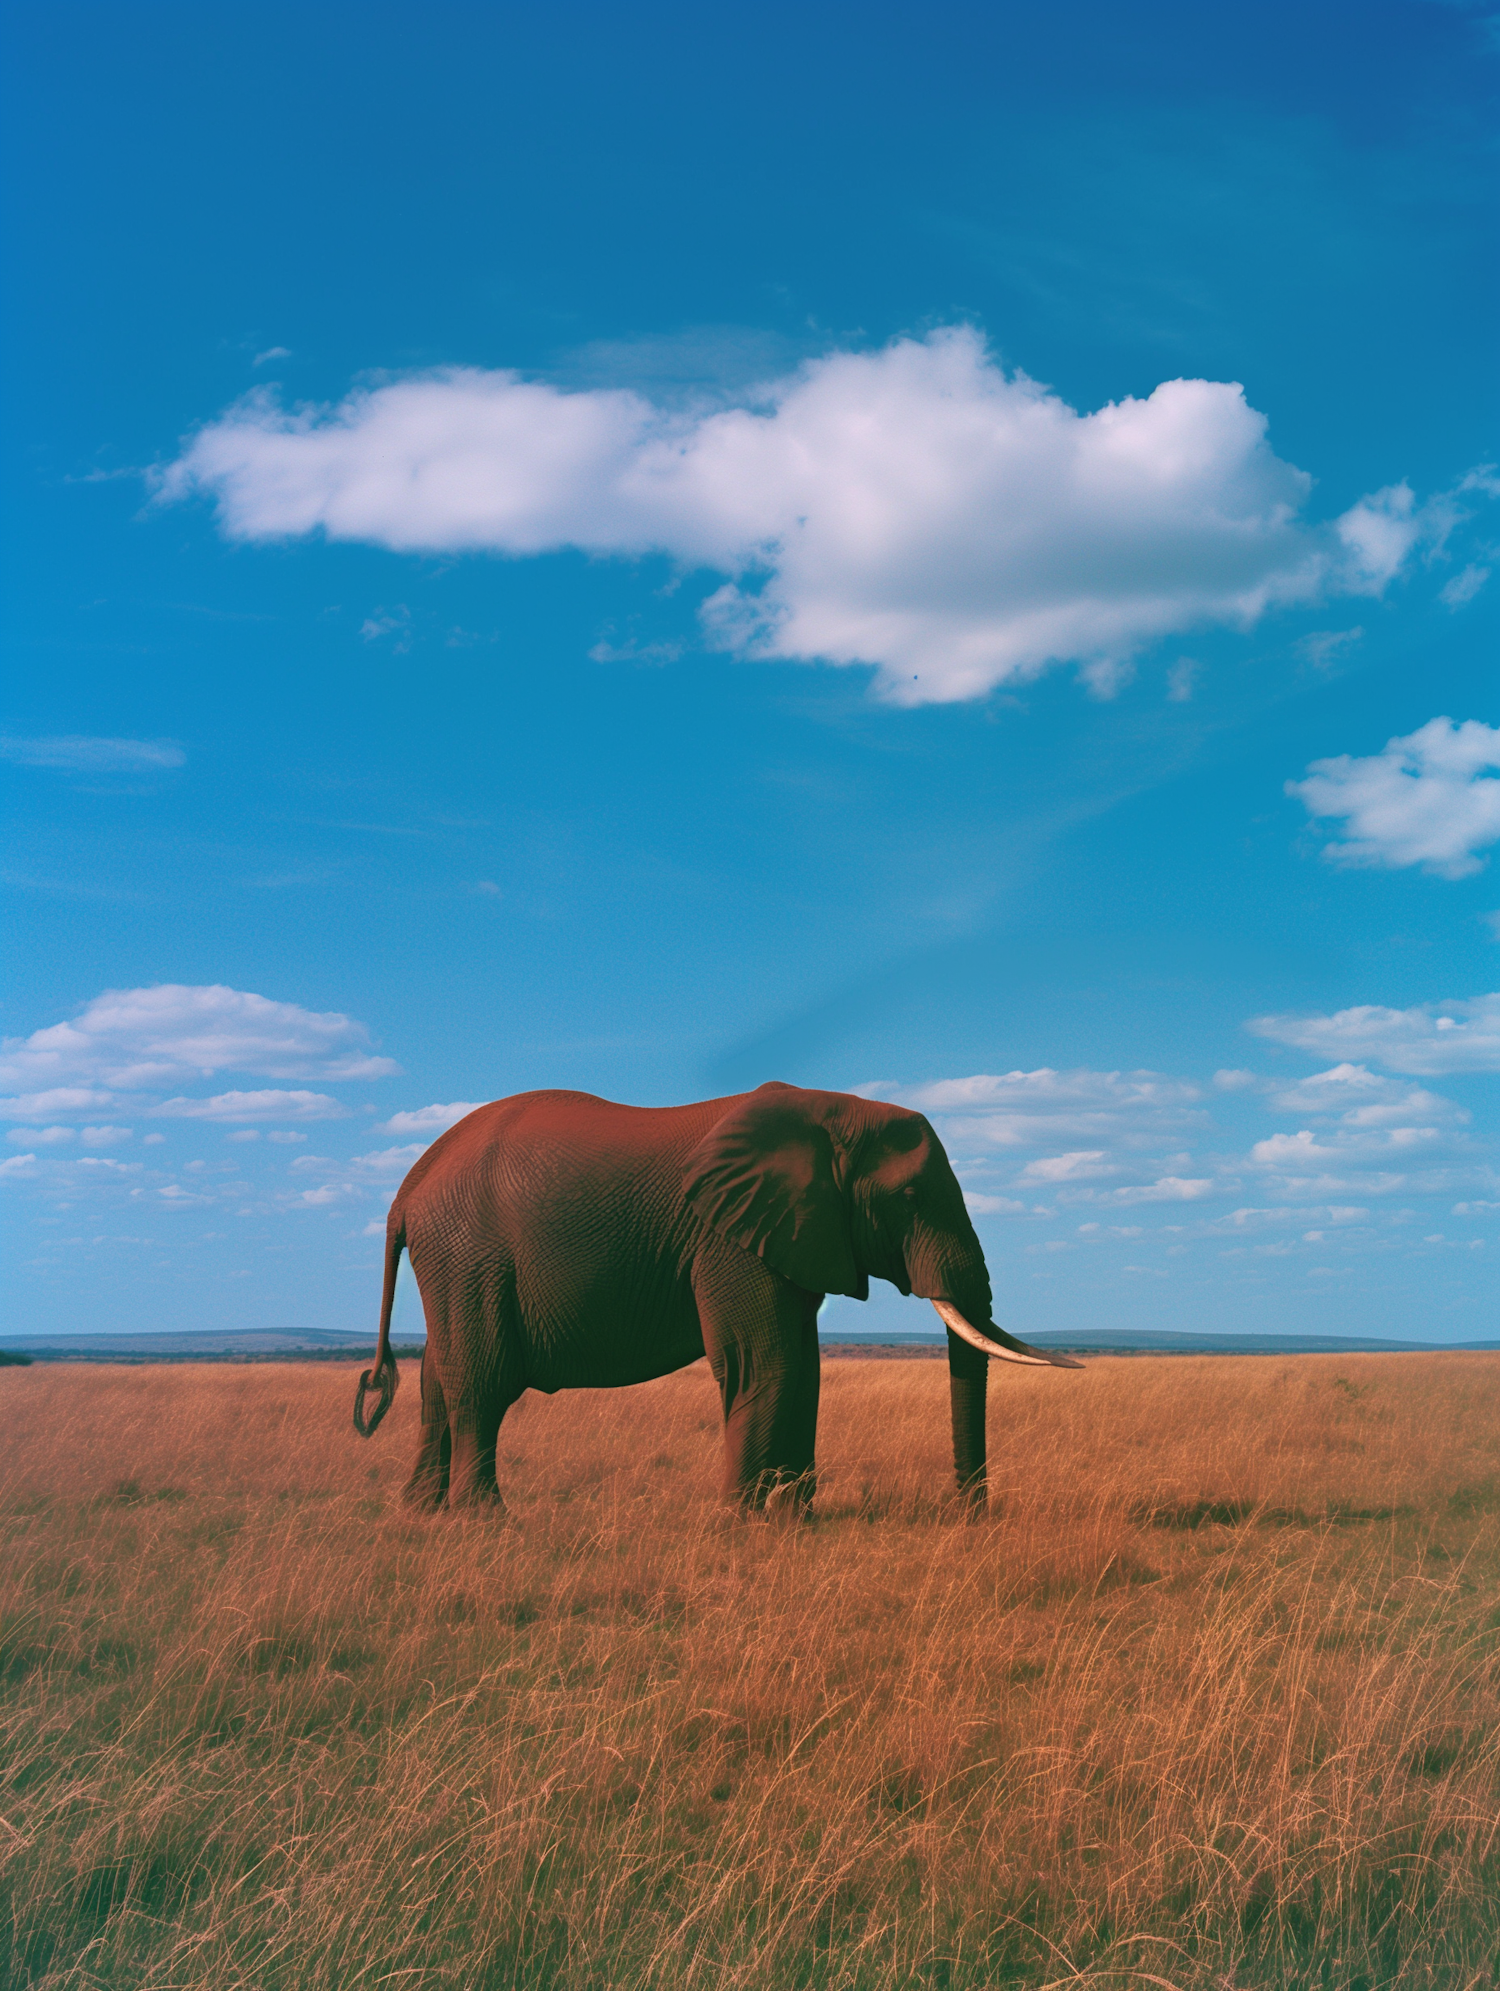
[[909, 1193]]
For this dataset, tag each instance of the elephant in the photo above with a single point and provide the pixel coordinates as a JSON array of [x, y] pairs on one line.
[[561, 1241]]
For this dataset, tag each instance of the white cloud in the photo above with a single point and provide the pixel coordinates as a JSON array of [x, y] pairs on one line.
[[1429, 798], [1180, 680], [430, 1120], [1166, 1189], [993, 1206], [233, 1107], [55, 1099], [270, 353], [1425, 1042], [128, 1039], [388, 1161], [1307, 1149], [18, 1166], [1381, 531], [1068, 1167], [1464, 586], [1235, 1081], [916, 508], [91, 756], [1047, 1107], [377, 1171], [45, 1137], [105, 1137], [1363, 1099], [1322, 647]]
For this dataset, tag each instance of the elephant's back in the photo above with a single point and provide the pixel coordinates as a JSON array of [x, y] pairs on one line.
[[569, 1210], [534, 1145]]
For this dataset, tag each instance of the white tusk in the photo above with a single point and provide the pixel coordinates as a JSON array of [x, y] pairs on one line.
[[1007, 1349]]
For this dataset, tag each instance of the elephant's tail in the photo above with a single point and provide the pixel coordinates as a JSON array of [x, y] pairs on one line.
[[383, 1376]]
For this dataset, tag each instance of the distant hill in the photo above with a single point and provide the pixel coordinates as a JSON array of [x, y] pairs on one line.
[[1126, 1341], [332, 1344], [257, 1344]]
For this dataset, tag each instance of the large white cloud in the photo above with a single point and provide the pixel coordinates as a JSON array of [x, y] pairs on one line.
[[129, 1040], [1431, 798], [915, 508], [1424, 1042]]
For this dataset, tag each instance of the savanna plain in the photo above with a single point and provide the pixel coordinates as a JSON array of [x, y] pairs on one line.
[[1210, 1699]]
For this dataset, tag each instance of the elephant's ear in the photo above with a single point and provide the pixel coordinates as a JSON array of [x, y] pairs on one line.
[[765, 1178]]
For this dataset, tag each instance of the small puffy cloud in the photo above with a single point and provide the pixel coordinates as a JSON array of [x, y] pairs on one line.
[[1166, 1189], [270, 353], [1068, 1167], [993, 1206], [104, 1137], [1235, 1081], [378, 1171], [18, 1167], [128, 1039], [430, 1120], [1381, 531], [917, 508], [83, 755], [1361, 1098], [1181, 679], [1426, 1042], [1464, 586], [388, 1161], [1323, 647], [1431, 798], [1306, 1149], [44, 1137], [233, 1107]]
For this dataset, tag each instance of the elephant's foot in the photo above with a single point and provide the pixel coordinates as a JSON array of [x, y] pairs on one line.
[[777, 1497], [423, 1493], [480, 1496]]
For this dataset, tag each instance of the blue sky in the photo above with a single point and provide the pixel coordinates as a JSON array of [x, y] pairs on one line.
[[944, 551]]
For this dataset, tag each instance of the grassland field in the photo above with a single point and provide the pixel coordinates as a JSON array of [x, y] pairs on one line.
[[1211, 1699]]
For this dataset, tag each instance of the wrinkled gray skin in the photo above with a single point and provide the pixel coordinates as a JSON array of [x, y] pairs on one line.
[[563, 1242]]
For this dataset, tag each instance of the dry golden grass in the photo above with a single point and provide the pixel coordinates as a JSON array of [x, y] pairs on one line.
[[1213, 1698]]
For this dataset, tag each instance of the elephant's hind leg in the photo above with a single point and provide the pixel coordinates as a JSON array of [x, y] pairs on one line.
[[427, 1488]]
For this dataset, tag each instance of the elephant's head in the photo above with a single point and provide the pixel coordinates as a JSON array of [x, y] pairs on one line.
[[830, 1189]]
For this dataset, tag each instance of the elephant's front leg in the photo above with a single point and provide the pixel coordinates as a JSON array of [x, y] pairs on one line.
[[760, 1333]]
